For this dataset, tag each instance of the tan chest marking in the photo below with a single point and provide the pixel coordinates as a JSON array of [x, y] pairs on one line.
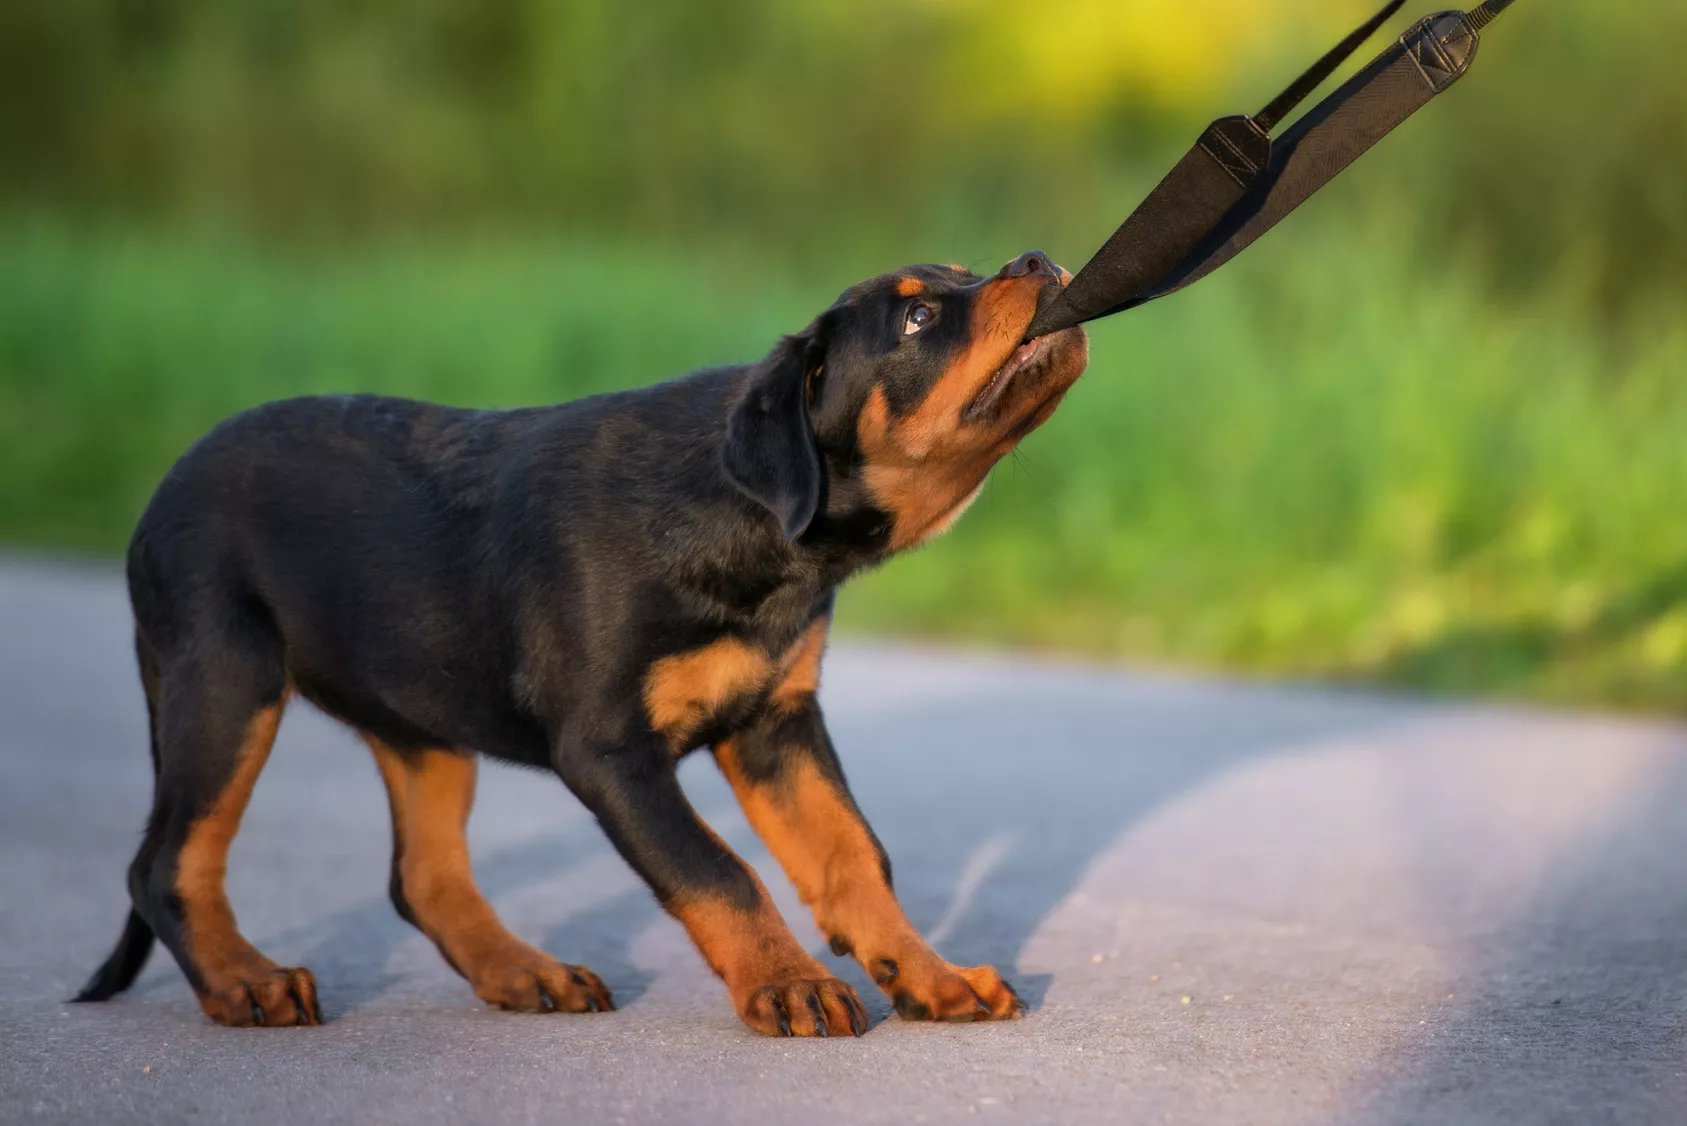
[[686, 690], [683, 691]]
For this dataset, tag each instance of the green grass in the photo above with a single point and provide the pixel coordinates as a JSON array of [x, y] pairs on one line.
[[1317, 463]]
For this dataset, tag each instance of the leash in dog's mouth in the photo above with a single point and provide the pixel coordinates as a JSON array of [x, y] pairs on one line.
[[1237, 183]]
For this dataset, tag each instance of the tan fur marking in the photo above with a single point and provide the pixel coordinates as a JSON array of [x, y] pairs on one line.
[[947, 519], [910, 287], [431, 793], [202, 865], [233, 974], [825, 849], [802, 665], [922, 496], [683, 691], [747, 949]]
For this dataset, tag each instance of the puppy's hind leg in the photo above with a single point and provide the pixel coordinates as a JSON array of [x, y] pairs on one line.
[[219, 703], [431, 792]]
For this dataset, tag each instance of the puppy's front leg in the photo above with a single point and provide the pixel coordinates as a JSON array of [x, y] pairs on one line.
[[787, 778], [778, 988]]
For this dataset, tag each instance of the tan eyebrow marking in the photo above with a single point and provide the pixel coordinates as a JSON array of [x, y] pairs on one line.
[[910, 287]]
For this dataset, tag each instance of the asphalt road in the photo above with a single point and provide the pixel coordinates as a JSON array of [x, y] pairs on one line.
[[1226, 903]]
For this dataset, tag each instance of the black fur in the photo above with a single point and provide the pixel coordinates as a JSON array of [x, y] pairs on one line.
[[124, 965]]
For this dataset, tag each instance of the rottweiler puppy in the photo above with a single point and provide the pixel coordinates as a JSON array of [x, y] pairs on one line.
[[595, 588]]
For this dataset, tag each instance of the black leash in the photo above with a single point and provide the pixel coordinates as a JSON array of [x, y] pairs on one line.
[[1237, 183]]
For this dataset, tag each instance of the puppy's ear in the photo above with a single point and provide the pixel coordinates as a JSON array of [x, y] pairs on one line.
[[771, 453]]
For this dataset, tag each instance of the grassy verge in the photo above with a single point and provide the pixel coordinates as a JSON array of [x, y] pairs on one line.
[[1317, 463]]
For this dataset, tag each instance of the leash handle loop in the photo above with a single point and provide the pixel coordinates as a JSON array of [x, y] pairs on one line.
[[1483, 14], [1284, 104]]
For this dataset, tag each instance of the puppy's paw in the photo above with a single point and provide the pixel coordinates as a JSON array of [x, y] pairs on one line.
[[264, 995], [948, 993], [821, 1006], [537, 983]]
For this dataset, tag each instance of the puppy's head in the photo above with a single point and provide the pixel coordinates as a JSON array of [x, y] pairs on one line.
[[887, 413]]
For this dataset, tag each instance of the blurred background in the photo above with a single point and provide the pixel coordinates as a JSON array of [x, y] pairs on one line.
[[1431, 431]]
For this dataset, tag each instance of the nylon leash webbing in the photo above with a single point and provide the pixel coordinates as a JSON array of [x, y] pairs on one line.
[[1236, 183]]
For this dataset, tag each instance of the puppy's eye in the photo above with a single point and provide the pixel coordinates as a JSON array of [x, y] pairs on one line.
[[919, 315]]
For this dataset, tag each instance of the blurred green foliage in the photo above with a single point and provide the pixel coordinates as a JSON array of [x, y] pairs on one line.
[[1428, 432], [912, 124]]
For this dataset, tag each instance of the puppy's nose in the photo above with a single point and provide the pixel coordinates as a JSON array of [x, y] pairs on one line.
[[1032, 262]]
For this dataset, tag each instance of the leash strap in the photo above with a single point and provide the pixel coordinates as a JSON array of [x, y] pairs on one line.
[[1236, 183]]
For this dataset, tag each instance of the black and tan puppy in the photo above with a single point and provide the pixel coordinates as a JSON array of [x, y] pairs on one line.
[[597, 588]]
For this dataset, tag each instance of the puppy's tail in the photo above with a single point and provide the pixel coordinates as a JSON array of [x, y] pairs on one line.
[[125, 964]]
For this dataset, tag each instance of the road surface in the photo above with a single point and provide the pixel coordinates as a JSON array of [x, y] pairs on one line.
[[1225, 903]]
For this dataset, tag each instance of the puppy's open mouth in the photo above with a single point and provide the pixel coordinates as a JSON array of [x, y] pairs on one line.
[[1029, 357]]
